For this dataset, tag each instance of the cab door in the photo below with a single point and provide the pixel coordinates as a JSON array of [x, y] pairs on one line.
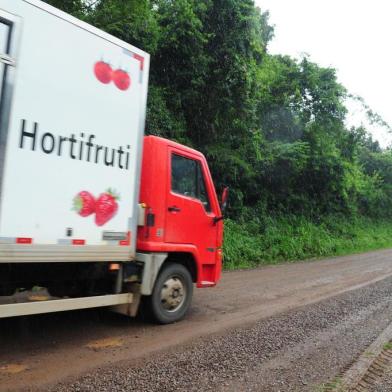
[[191, 206]]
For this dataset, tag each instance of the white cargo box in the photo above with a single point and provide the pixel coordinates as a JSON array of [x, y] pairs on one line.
[[73, 102]]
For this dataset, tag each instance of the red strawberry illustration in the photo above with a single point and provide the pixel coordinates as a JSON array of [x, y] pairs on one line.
[[84, 203], [106, 207], [121, 79], [103, 72]]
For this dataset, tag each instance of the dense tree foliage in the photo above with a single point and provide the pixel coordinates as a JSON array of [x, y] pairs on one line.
[[272, 127]]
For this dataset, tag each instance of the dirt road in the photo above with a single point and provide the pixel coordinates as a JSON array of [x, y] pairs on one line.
[[41, 351]]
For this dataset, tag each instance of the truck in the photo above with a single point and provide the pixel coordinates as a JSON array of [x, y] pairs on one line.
[[92, 212]]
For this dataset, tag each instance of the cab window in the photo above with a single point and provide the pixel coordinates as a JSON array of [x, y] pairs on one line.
[[187, 179]]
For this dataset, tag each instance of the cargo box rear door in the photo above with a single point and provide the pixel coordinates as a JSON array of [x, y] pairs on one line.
[[5, 58], [7, 64]]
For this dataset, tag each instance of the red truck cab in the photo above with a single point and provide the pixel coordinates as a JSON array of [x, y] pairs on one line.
[[182, 212]]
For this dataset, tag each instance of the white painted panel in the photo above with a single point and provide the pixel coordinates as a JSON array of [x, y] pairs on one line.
[[58, 107]]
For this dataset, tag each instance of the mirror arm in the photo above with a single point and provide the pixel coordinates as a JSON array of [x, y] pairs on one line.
[[218, 218]]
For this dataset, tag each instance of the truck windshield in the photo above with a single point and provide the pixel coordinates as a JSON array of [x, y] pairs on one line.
[[188, 179]]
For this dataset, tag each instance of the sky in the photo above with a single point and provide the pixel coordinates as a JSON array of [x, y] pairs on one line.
[[354, 37]]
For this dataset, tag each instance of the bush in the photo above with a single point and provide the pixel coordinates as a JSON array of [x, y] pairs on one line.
[[290, 238]]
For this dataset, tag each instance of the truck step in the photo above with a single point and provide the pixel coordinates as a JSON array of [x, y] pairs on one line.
[[207, 283]]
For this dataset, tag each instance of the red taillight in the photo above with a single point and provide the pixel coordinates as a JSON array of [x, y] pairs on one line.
[[126, 242], [23, 240], [78, 242]]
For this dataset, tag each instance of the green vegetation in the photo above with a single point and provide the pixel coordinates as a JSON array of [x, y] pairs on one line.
[[387, 346], [333, 386], [272, 127], [291, 238]]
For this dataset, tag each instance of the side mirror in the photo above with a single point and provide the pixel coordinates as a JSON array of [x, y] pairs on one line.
[[223, 204], [225, 198]]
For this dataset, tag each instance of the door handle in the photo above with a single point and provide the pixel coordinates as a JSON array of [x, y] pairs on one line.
[[174, 209]]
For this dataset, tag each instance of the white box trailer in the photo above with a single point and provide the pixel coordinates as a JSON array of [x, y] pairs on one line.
[[68, 133]]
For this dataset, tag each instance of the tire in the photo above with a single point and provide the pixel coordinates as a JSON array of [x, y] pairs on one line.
[[172, 294]]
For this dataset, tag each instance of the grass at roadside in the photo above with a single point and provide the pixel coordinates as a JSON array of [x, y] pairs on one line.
[[273, 240], [335, 385]]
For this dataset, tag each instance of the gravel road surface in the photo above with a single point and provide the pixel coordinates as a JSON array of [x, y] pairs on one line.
[[291, 327], [296, 351], [384, 384]]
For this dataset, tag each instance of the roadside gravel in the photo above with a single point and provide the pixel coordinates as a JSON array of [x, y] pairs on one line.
[[384, 384], [295, 351]]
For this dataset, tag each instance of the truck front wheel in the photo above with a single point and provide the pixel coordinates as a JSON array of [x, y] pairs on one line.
[[172, 294]]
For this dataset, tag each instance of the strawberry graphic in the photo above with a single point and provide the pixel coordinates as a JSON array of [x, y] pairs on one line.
[[121, 79], [103, 72], [84, 203], [106, 207]]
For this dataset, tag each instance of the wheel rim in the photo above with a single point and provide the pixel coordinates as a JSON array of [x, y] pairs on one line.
[[173, 294]]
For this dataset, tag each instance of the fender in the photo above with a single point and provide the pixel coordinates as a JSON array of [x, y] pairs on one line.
[[165, 247]]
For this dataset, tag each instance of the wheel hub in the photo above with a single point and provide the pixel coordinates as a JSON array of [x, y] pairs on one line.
[[173, 294]]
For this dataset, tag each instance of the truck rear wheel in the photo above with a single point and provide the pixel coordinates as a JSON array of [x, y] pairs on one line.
[[172, 294]]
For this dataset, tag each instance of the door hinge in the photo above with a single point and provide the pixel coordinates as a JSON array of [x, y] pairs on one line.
[[7, 60]]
